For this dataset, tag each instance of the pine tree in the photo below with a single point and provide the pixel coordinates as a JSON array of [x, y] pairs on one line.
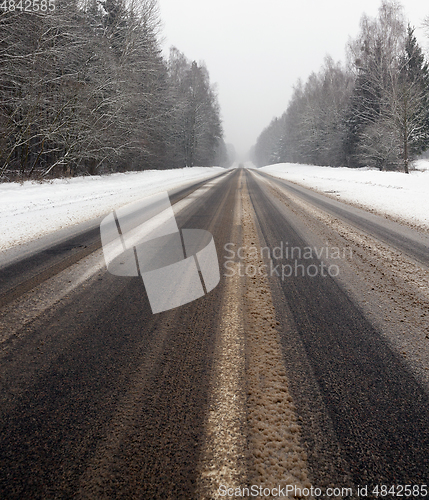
[[412, 107]]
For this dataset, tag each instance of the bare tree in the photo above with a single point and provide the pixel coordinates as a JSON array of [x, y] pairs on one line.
[[84, 88], [374, 112], [313, 128]]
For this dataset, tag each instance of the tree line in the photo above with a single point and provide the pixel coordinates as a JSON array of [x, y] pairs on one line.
[[84, 88], [373, 111]]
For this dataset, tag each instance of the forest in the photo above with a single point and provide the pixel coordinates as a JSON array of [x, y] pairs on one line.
[[372, 111], [85, 89]]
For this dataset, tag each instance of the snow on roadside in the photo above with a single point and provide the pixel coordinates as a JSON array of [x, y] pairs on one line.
[[403, 197], [32, 209]]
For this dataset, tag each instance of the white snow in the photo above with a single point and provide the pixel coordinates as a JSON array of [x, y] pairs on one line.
[[404, 197], [31, 209]]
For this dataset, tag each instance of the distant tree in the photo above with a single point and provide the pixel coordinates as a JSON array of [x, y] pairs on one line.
[[224, 156], [267, 149], [232, 154], [322, 116], [196, 131], [312, 129]]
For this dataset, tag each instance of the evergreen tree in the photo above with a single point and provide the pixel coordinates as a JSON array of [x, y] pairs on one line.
[[196, 131], [412, 108]]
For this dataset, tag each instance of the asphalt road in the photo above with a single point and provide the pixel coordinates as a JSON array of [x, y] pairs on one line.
[[407, 240], [23, 268], [101, 399], [379, 412]]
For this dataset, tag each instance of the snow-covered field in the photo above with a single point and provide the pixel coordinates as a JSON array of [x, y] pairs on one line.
[[404, 197], [31, 209]]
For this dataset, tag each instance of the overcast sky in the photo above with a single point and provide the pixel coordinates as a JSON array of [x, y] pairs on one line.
[[256, 50]]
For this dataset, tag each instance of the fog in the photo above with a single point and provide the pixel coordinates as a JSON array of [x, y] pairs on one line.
[[256, 51]]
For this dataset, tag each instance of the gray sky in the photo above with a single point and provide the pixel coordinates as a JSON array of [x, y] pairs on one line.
[[256, 51]]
